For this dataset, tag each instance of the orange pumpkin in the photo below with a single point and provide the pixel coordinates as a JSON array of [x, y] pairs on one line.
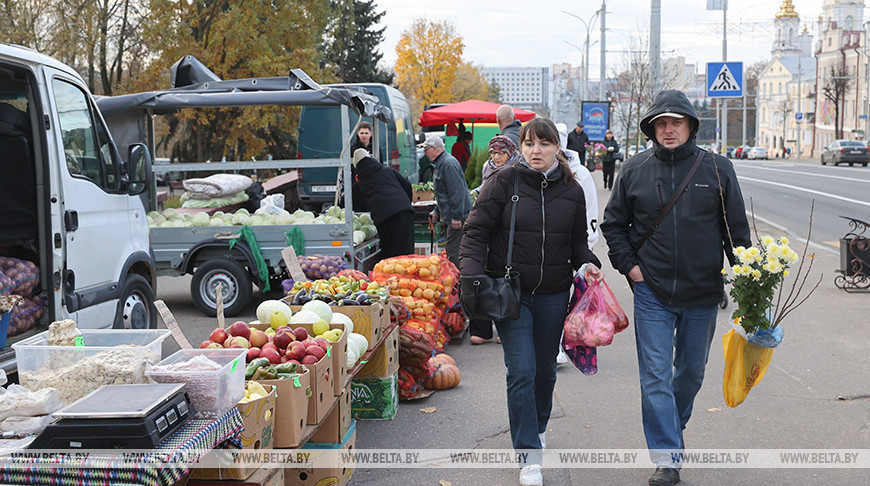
[[445, 377], [442, 358]]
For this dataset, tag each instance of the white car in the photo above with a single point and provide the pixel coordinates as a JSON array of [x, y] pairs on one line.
[[757, 153]]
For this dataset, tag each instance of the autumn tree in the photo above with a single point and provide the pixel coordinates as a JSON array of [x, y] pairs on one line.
[[99, 38], [351, 48], [469, 83], [429, 54], [255, 38], [834, 86]]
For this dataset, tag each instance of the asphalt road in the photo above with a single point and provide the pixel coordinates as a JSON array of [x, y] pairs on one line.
[[782, 191]]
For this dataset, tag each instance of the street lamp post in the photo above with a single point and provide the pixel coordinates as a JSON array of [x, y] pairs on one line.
[[591, 23]]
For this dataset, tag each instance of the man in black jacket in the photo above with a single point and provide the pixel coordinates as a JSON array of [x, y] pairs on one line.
[[676, 271], [577, 141], [387, 194]]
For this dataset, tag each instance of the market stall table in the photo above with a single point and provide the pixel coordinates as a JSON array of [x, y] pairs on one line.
[[196, 436]]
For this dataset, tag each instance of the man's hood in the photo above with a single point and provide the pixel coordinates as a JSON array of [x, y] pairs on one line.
[[670, 101]]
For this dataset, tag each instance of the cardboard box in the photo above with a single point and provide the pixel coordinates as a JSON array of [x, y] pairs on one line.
[[423, 195], [291, 408], [336, 475], [384, 362], [259, 419], [368, 320], [322, 379], [337, 422], [264, 476], [373, 398]]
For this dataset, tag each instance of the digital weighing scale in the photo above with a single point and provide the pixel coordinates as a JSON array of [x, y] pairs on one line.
[[118, 417]]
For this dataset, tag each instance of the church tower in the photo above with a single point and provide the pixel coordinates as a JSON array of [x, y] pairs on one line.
[[787, 25]]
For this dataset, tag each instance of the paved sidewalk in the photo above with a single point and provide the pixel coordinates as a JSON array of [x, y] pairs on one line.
[[815, 395]]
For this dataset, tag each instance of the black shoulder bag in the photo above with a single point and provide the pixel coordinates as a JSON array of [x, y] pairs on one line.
[[495, 298]]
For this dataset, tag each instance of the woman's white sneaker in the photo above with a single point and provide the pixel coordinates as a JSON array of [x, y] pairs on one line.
[[531, 476]]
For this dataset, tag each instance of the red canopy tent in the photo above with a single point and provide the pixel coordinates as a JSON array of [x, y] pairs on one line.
[[475, 111]]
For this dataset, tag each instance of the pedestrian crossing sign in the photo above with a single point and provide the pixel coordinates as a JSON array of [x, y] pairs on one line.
[[724, 79]]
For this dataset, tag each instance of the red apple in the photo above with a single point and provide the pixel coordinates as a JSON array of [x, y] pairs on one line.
[[240, 329], [309, 342], [308, 359], [322, 342], [294, 361], [239, 341], [259, 338], [284, 359], [252, 353], [295, 351], [214, 346], [271, 355], [315, 351], [204, 344], [218, 336], [282, 338], [301, 333], [269, 345]]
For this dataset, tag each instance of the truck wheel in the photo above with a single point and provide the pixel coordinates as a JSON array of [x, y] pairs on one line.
[[235, 286], [136, 305]]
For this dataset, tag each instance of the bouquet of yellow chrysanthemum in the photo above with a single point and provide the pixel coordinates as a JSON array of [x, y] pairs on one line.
[[757, 275]]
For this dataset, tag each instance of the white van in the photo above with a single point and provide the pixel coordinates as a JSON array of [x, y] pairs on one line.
[[68, 204]]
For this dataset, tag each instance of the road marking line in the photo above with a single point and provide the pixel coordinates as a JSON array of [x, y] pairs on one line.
[[835, 244], [789, 186], [813, 174]]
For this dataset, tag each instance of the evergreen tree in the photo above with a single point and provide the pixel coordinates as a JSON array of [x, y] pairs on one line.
[[352, 41]]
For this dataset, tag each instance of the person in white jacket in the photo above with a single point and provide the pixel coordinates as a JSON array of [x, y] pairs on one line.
[[584, 178]]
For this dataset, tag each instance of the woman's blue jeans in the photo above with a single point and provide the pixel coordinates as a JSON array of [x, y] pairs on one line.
[[672, 348], [530, 346]]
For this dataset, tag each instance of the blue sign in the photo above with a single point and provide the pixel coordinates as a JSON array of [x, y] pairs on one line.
[[596, 119], [724, 79]]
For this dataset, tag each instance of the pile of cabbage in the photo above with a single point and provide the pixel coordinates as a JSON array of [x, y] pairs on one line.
[[364, 227]]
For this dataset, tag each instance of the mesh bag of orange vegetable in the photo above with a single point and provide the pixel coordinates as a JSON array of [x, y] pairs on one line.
[[408, 385], [454, 322]]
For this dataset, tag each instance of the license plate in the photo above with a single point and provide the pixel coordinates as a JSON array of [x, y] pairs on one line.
[[322, 188], [856, 152]]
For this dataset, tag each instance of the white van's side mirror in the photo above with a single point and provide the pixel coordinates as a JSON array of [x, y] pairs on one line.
[[138, 168]]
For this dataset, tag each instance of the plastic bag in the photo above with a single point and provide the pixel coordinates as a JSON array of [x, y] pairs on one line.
[[745, 366], [19, 401], [25, 425], [272, 204], [595, 318]]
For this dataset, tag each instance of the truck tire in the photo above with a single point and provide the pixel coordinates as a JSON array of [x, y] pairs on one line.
[[235, 286], [136, 305]]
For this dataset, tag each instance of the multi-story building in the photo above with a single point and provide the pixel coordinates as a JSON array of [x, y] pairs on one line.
[[785, 88], [842, 56], [522, 87]]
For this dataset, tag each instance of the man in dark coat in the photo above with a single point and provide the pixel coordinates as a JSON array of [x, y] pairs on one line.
[[676, 271], [577, 141], [508, 123], [387, 194]]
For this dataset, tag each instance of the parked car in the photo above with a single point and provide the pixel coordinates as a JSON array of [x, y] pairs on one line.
[[729, 152], [846, 152], [757, 153], [632, 150]]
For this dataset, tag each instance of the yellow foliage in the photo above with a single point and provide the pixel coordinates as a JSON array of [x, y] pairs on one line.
[[428, 55]]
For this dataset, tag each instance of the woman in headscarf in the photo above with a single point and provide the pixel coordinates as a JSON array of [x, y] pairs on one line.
[[502, 153]]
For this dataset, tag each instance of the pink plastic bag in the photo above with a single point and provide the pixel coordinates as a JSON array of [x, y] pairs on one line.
[[595, 318]]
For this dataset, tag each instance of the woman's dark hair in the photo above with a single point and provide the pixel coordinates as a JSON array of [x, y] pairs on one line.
[[544, 129]]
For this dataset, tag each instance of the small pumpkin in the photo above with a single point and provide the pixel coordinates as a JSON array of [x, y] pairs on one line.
[[445, 377], [442, 358]]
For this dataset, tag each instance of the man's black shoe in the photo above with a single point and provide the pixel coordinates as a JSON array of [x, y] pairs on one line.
[[664, 475]]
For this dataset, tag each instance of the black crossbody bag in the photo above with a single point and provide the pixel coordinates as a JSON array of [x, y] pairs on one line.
[[664, 212], [497, 297]]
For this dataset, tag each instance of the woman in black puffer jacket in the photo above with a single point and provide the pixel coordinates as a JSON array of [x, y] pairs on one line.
[[549, 245]]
